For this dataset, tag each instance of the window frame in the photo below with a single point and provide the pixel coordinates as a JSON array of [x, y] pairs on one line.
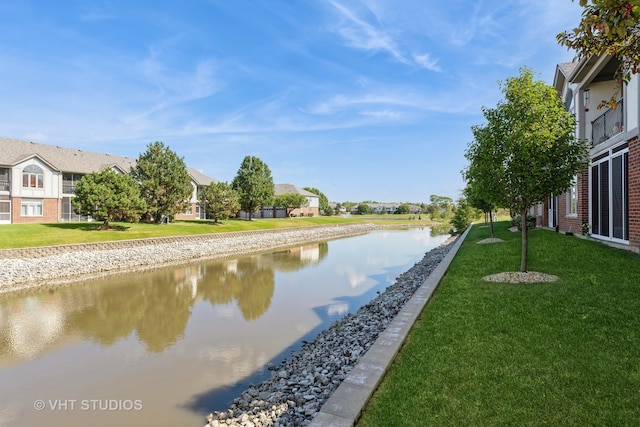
[[32, 207], [32, 177]]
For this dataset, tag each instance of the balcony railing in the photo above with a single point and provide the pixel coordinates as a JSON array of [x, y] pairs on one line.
[[4, 185], [610, 123], [68, 188]]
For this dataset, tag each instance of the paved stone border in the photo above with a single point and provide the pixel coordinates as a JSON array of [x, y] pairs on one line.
[[43, 251], [347, 402]]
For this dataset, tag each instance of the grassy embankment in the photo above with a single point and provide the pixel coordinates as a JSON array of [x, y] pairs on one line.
[[29, 235], [564, 353]]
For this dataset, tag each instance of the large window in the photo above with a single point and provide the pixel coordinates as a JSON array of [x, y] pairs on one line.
[[609, 199], [31, 207], [32, 177]]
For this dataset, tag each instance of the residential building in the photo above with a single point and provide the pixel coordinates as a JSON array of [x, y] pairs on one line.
[[311, 209], [605, 198], [37, 181]]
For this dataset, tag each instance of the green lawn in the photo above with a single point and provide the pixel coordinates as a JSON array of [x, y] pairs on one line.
[[562, 354], [28, 235]]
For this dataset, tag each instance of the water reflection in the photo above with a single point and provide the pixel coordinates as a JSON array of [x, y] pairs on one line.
[[156, 306], [185, 340]]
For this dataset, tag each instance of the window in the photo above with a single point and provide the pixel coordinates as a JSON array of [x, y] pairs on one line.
[[32, 177], [5, 209], [609, 194], [572, 198], [31, 207]]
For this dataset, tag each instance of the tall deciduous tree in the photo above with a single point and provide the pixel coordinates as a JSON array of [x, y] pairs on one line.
[[290, 201], [608, 27], [254, 184], [165, 184], [527, 150], [108, 196], [325, 208], [220, 200]]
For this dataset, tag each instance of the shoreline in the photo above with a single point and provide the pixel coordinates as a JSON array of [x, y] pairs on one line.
[[299, 386], [56, 266]]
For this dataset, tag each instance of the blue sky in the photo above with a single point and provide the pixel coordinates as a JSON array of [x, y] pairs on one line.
[[362, 99]]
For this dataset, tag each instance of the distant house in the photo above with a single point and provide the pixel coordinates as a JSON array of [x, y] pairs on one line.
[[605, 197], [312, 208], [37, 181]]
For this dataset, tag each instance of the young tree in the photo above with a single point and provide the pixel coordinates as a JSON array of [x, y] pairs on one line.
[[464, 216], [608, 27], [441, 207], [108, 196], [363, 209], [290, 201], [254, 184], [475, 199], [527, 150], [165, 184], [220, 201], [325, 208], [403, 208]]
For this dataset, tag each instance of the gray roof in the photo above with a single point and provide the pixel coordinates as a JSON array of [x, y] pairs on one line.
[[289, 188], [567, 67], [199, 178], [13, 151]]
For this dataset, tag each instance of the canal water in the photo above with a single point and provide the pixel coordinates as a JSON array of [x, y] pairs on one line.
[[165, 348]]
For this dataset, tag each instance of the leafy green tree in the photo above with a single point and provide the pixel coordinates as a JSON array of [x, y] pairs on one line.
[[325, 208], [404, 208], [254, 184], [474, 198], [290, 201], [440, 208], [108, 196], [608, 27], [220, 201], [527, 150], [165, 184], [364, 209], [464, 216]]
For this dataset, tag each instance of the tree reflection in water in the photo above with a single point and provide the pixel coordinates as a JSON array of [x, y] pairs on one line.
[[156, 305]]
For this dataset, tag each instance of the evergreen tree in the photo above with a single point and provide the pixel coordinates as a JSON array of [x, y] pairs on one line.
[[165, 184], [108, 196]]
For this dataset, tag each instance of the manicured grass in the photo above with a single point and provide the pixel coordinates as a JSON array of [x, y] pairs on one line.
[[564, 353], [29, 235]]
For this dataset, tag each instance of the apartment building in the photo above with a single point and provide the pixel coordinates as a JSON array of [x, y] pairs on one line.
[[37, 181]]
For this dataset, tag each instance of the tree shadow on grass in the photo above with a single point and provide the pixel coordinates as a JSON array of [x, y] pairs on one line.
[[86, 226]]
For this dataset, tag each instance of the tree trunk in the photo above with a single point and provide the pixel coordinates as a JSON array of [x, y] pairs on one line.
[[491, 223], [525, 241], [105, 225]]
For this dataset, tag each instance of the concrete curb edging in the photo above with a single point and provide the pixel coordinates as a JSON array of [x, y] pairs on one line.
[[346, 403]]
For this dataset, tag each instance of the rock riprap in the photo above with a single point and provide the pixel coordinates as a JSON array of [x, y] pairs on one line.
[[300, 385], [81, 262]]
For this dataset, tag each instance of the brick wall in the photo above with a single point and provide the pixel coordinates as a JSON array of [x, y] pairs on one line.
[[50, 212]]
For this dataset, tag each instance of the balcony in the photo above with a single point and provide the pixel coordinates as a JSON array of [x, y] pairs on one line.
[[5, 185], [68, 188], [610, 123]]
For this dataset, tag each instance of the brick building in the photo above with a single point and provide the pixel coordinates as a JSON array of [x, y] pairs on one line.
[[37, 181], [606, 195]]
